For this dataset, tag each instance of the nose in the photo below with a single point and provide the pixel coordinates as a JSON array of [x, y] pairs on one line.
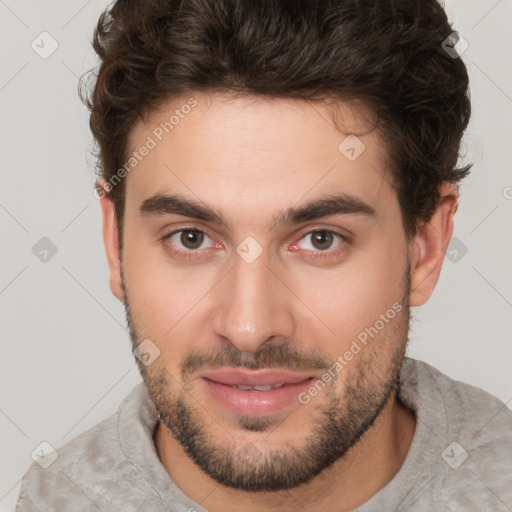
[[253, 306]]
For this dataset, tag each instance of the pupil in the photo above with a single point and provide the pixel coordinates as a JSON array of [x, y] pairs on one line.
[[192, 239], [322, 239]]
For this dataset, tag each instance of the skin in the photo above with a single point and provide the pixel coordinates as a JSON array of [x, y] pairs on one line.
[[251, 159]]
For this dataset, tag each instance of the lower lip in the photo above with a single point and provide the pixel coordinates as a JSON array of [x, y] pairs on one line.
[[254, 403]]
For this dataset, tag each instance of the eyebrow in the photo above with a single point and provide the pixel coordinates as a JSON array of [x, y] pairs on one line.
[[338, 204]]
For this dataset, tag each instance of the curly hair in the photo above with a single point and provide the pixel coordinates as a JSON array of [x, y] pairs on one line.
[[386, 54]]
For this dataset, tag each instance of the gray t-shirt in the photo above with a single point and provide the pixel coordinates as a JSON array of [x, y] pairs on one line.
[[460, 458]]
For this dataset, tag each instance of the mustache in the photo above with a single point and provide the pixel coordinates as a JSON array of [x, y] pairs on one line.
[[270, 356]]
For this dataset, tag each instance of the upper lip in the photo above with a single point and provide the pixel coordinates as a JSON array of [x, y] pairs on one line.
[[242, 377]]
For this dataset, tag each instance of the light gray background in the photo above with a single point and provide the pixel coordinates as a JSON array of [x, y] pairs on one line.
[[65, 353]]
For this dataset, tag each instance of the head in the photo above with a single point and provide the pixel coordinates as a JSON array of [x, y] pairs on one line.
[[278, 182]]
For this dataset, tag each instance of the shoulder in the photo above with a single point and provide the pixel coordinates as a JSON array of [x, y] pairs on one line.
[[83, 468], [462, 409], [475, 433]]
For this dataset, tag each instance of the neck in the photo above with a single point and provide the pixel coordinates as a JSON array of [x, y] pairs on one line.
[[365, 469]]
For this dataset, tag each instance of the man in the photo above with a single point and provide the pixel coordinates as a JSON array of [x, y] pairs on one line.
[[278, 184]]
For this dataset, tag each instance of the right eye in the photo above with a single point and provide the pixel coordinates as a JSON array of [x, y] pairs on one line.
[[188, 242]]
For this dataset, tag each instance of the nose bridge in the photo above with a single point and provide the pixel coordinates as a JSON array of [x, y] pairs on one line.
[[251, 308]]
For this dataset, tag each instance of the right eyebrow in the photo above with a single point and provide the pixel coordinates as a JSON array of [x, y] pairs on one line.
[[162, 204]]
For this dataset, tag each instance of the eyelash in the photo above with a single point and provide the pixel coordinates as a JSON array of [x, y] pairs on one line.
[[316, 254]]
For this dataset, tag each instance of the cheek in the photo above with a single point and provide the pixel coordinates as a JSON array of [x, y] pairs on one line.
[[165, 300], [167, 303], [350, 298]]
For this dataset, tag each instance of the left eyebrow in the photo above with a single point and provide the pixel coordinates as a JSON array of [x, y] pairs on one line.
[[341, 204]]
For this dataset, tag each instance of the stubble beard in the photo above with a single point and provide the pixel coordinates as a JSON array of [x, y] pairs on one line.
[[340, 418]]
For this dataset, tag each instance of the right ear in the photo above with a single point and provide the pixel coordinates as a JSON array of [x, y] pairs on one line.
[[111, 240]]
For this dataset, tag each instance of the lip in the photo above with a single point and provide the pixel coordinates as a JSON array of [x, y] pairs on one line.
[[243, 377], [220, 384]]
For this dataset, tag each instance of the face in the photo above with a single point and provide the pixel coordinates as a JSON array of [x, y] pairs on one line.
[[268, 267]]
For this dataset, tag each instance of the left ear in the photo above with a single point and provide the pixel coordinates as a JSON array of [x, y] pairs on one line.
[[429, 245]]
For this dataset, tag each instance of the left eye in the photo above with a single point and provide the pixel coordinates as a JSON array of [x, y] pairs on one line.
[[321, 240], [189, 239]]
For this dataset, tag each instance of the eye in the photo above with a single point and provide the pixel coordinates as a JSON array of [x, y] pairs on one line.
[[321, 240], [189, 240]]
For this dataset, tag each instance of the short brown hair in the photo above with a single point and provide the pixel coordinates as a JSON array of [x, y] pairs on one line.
[[386, 54]]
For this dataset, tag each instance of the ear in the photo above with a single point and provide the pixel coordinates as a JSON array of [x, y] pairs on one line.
[[429, 245], [111, 240]]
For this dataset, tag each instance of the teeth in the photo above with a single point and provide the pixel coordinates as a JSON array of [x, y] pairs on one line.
[[258, 388]]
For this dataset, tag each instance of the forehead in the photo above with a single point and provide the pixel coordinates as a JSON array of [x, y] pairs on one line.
[[256, 155]]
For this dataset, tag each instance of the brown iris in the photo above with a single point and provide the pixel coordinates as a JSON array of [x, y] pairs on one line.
[[191, 239], [322, 239]]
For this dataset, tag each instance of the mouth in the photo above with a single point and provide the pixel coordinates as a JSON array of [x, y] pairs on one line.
[[255, 378], [255, 393]]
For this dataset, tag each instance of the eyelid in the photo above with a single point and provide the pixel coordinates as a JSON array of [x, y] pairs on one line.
[[168, 234]]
